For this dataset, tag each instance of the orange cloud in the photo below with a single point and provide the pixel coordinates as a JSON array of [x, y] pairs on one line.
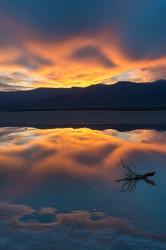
[[45, 63]]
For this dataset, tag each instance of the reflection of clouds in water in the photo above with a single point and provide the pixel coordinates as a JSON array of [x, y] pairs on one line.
[[149, 136], [33, 159], [87, 223], [146, 136], [91, 157], [76, 153], [15, 135]]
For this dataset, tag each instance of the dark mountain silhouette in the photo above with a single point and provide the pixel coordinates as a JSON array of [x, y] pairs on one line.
[[122, 95]]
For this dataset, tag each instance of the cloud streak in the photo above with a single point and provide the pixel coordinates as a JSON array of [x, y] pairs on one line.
[[69, 39]]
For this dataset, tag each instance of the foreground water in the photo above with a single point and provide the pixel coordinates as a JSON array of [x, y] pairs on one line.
[[58, 189]]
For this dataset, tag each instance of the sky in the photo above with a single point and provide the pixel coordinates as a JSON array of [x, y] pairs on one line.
[[65, 43]]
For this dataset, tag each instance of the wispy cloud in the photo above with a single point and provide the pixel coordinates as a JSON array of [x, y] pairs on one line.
[[66, 39]]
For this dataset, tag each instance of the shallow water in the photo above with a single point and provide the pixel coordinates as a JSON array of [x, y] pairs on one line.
[[58, 189]]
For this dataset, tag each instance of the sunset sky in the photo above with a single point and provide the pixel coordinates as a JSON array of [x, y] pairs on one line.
[[64, 43]]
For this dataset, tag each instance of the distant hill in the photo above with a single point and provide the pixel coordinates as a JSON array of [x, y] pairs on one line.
[[120, 96]]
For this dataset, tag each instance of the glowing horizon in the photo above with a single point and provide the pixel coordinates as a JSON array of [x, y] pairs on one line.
[[67, 44]]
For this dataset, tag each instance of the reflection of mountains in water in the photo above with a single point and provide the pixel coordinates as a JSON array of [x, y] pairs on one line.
[[120, 128], [100, 127]]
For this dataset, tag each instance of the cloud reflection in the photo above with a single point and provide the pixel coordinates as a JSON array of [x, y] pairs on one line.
[[25, 218], [32, 156], [48, 182]]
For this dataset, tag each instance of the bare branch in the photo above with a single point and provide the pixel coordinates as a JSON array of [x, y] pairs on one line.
[[132, 177]]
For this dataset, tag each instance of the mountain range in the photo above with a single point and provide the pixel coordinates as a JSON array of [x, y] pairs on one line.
[[120, 96]]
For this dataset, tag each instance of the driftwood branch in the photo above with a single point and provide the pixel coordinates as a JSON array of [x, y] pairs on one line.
[[138, 177], [132, 177]]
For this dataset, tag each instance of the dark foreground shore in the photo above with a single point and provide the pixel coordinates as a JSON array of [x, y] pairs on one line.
[[97, 119]]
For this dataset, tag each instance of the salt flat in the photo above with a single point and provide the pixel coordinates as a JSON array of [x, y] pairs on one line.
[[82, 117]]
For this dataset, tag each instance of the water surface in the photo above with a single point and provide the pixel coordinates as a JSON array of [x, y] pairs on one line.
[[58, 189]]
